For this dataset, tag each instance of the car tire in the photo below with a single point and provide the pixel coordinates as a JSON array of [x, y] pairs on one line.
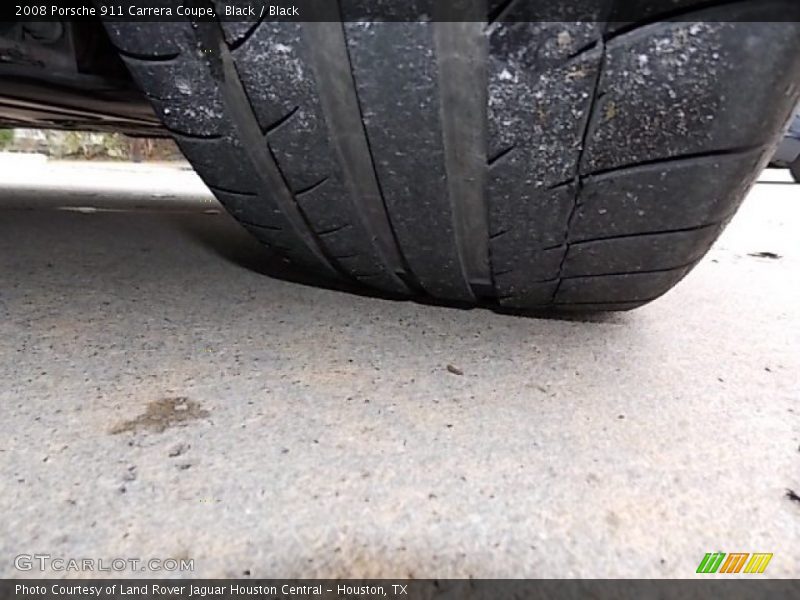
[[794, 169], [519, 165]]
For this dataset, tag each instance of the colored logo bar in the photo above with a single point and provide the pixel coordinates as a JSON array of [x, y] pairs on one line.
[[714, 562]]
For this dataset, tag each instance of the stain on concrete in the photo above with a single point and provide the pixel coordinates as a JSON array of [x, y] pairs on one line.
[[162, 414]]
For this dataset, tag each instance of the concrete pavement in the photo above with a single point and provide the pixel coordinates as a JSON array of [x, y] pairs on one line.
[[160, 398]]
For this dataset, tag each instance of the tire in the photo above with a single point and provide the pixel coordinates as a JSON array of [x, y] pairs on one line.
[[794, 169], [518, 165]]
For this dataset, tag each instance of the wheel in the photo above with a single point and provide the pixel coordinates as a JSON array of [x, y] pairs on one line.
[[514, 164], [794, 169]]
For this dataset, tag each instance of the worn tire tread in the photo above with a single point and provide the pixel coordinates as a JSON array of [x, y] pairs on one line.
[[593, 166]]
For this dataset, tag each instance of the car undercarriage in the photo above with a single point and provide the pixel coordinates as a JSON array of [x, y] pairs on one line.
[[67, 75]]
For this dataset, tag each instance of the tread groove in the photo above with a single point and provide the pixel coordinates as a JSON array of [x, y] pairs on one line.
[[248, 34], [216, 188], [600, 44], [500, 155], [259, 225], [585, 49], [642, 272], [272, 127], [333, 230], [561, 184], [625, 169], [311, 187], [649, 233], [461, 57], [499, 12], [149, 58], [343, 115]]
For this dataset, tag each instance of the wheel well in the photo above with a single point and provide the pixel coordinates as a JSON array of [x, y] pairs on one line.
[[67, 75]]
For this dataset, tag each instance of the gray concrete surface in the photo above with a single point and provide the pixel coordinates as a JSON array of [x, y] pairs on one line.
[[160, 398]]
